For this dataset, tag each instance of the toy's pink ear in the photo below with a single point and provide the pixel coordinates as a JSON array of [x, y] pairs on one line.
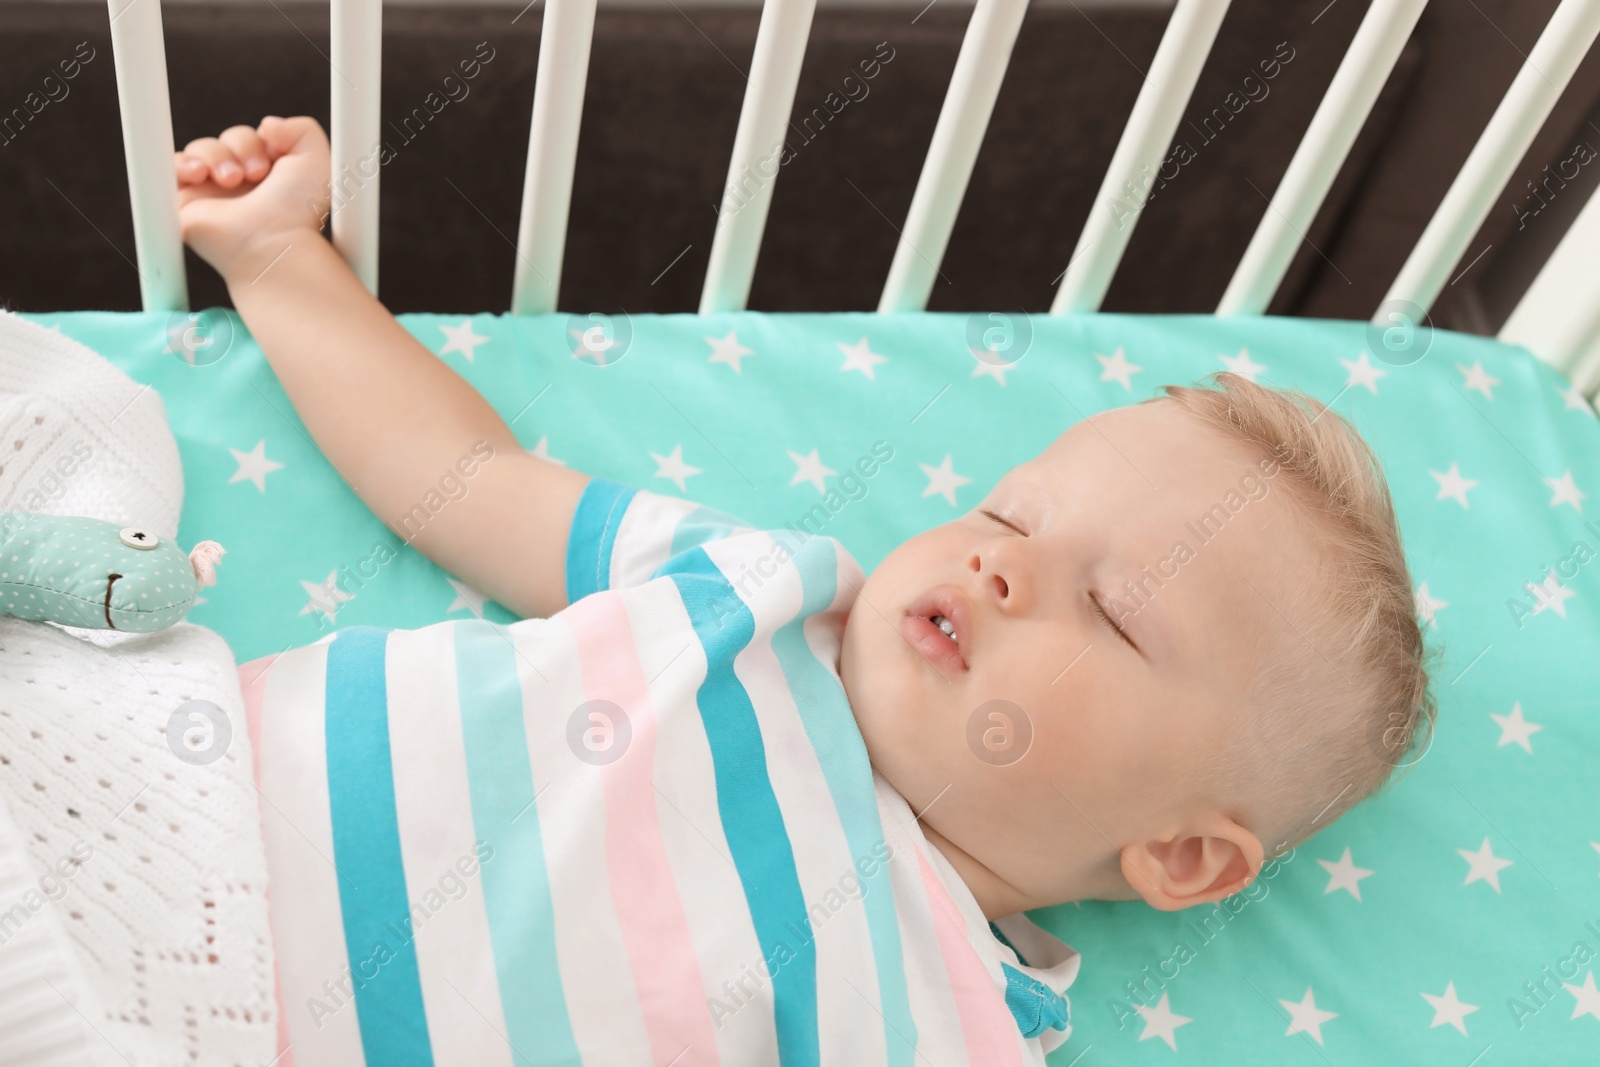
[[203, 557]]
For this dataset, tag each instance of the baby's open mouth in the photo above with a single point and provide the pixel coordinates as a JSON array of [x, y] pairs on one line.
[[935, 625]]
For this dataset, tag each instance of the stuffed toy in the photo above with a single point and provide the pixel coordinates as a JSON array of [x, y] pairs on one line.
[[92, 573]]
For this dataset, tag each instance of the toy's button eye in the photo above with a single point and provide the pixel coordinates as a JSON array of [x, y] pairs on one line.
[[134, 537]]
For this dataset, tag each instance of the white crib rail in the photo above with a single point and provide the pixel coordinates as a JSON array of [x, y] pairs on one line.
[[1559, 316], [1117, 206], [552, 153], [140, 56], [356, 40], [1534, 91], [757, 150], [1322, 151], [963, 120], [1558, 319]]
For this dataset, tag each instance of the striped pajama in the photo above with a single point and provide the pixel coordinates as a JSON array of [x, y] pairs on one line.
[[474, 859]]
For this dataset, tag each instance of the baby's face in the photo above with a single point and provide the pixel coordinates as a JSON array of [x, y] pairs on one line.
[[1045, 740]]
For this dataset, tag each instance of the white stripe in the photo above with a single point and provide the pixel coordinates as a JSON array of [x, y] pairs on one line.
[[829, 882], [933, 1002], [644, 537], [308, 930], [704, 874], [602, 1005], [444, 874]]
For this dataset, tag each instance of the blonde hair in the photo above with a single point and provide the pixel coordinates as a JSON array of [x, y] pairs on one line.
[[1340, 696]]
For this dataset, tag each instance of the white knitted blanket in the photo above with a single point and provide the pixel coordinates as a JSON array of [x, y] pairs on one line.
[[133, 914]]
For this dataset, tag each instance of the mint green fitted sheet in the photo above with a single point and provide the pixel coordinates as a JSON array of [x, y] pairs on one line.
[[1522, 956]]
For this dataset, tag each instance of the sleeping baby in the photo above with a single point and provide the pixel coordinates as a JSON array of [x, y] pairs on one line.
[[718, 797]]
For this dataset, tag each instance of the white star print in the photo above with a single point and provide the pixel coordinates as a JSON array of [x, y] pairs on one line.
[[1305, 1017], [542, 450], [1448, 1009], [1586, 995], [1551, 594], [593, 344], [1566, 491], [466, 597], [1479, 379], [989, 364], [1160, 1021], [727, 350], [1242, 365], [861, 357], [810, 469], [943, 480], [673, 467], [254, 465], [185, 338], [462, 339], [1362, 372], [1576, 401], [1427, 605], [1116, 368], [1483, 865], [1345, 875], [326, 596], [1514, 728], [1452, 485]]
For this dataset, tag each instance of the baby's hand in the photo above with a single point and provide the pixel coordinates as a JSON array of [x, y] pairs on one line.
[[250, 185]]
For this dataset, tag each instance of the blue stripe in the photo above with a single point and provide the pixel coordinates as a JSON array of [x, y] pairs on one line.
[[366, 853], [748, 807], [700, 526], [1034, 1005], [831, 727], [593, 535], [516, 886]]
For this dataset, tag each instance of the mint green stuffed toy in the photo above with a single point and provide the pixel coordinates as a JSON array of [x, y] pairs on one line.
[[95, 574]]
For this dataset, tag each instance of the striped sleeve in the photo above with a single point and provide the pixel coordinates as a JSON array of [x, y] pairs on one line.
[[622, 535]]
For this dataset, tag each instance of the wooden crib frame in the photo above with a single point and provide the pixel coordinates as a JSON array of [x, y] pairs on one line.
[[1558, 319]]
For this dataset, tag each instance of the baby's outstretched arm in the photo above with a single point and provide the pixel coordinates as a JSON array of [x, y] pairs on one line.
[[388, 414]]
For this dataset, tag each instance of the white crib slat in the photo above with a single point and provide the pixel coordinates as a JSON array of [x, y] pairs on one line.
[[1511, 129], [1558, 318], [552, 152], [356, 37], [757, 153], [1344, 109], [968, 105], [140, 56], [1145, 141]]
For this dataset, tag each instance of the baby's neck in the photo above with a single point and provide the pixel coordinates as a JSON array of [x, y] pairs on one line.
[[995, 896]]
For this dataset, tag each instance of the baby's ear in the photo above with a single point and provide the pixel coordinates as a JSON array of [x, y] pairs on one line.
[[1212, 858]]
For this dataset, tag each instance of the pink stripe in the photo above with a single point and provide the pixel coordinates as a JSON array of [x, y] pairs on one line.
[[990, 1030], [253, 684], [661, 952]]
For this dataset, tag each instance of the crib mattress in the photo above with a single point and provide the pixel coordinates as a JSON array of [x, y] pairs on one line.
[[1457, 912]]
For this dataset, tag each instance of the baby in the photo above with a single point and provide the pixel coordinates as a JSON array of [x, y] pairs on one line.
[[1172, 646]]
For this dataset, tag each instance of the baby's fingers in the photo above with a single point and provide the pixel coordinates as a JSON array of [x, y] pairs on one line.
[[191, 171], [249, 149]]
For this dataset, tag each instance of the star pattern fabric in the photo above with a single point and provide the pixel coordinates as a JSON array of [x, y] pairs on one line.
[[1450, 912]]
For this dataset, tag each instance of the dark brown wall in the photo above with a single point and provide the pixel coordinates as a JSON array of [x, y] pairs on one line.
[[662, 102]]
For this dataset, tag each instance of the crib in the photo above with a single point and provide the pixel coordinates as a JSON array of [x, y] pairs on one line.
[[1376, 944]]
